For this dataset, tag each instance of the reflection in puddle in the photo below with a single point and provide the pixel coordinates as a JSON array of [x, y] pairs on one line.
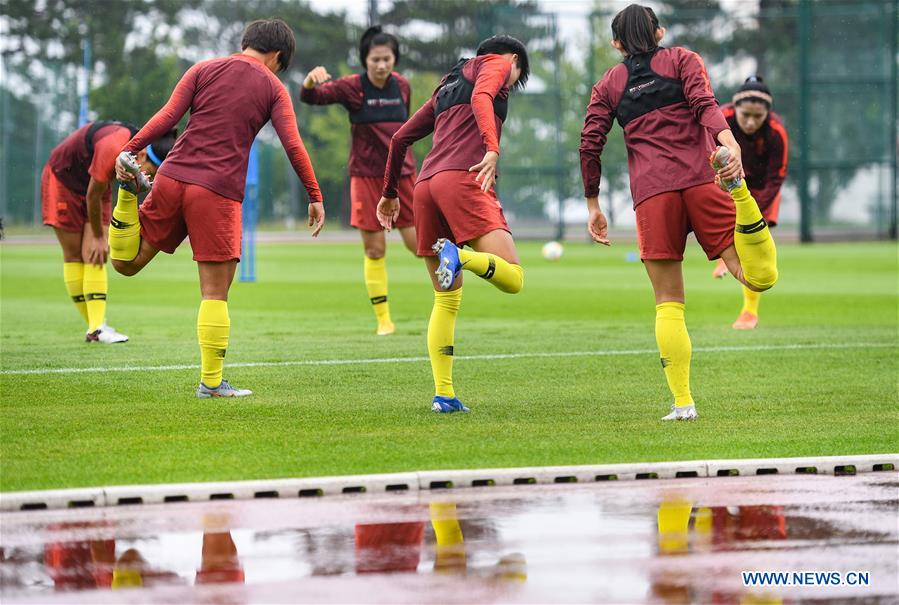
[[677, 541]]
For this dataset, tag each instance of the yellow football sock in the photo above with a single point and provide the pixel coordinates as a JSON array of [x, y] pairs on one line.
[[375, 270], [448, 533], [96, 286], [751, 301], [675, 350], [73, 275], [213, 329], [752, 238], [674, 525], [441, 335], [499, 272], [124, 230]]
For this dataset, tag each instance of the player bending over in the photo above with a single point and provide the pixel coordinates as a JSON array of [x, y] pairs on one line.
[[76, 201], [763, 143], [664, 103], [454, 200], [378, 104], [198, 190]]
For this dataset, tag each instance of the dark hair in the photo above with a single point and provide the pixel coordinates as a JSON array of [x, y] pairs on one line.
[[267, 35], [635, 28], [376, 36], [160, 148], [754, 90], [502, 44]]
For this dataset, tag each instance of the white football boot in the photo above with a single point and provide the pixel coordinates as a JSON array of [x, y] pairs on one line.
[[687, 412], [105, 334]]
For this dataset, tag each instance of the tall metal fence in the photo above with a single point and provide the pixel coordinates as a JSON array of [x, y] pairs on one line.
[[831, 64]]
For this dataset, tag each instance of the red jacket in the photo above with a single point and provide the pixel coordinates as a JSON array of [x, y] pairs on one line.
[[667, 148], [230, 99], [764, 155], [370, 139], [463, 133]]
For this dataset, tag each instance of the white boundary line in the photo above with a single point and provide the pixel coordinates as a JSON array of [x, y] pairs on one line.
[[423, 481], [341, 362]]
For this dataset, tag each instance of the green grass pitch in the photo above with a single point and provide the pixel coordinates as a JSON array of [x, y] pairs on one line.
[[833, 392]]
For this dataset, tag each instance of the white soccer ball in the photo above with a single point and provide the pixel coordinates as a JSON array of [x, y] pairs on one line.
[[552, 251]]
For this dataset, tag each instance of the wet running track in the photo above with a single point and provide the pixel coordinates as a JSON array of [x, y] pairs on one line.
[[653, 541]]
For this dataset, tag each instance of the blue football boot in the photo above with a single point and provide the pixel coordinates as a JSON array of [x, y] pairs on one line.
[[448, 405], [450, 265]]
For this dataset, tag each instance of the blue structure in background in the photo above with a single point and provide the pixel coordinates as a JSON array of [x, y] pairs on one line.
[[248, 217], [85, 85]]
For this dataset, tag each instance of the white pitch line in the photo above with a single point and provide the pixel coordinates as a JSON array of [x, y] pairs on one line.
[[343, 362]]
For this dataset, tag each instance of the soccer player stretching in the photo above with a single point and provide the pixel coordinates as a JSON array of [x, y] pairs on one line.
[[378, 104], [454, 199], [664, 103], [197, 191], [763, 143], [76, 202]]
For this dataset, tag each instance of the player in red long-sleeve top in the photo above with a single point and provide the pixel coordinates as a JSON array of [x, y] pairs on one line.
[[76, 201], [378, 104], [198, 189], [454, 200], [763, 141], [664, 102]]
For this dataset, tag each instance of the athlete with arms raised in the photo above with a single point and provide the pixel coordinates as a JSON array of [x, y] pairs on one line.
[[377, 101]]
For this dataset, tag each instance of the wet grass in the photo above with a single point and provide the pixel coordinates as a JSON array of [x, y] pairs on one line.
[[839, 396]]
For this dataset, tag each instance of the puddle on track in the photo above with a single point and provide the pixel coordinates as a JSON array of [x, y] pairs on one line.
[[654, 541]]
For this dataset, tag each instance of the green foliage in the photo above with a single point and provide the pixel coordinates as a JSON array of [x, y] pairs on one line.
[[123, 97], [435, 33], [141, 47], [107, 428]]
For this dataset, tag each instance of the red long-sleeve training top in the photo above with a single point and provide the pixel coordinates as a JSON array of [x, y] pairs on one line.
[[764, 155], [370, 140], [463, 133], [667, 148], [230, 100]]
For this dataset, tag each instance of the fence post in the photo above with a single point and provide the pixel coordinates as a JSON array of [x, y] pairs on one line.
[[557, 85], [805, 202], [894, 121]]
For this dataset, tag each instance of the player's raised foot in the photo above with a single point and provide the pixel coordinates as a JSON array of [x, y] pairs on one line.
[[223, 390], [746, 321], [687, 412], [386, 328], [141, 182], [718, 160], [720, 269], [106, 335], [448, 405], [450, 265]]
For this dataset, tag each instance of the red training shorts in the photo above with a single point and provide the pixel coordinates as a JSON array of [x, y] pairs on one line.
[[174, 209], [664, 220], [451, 204], [771, 213], [63, 208], [365, 193]]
